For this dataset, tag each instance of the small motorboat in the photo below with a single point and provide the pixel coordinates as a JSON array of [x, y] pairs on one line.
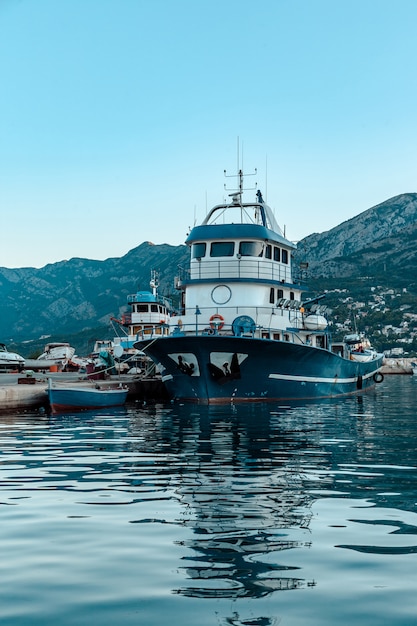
[[56, 356], [57, 352], [76, 397], [10, 360], [359, 349]]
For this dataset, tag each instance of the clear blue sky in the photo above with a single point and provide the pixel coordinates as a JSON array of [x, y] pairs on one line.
[[118, 117]]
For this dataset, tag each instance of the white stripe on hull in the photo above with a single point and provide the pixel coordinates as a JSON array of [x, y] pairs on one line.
[[317, 379]]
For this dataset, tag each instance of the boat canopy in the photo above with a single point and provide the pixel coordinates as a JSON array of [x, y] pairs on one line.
[[244, 213]]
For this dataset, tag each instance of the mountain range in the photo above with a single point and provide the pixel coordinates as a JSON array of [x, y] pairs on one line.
[[379, 242], [79, 296], [74, 300]]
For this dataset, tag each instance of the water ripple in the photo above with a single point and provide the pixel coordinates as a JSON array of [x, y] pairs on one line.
[[207, 515]]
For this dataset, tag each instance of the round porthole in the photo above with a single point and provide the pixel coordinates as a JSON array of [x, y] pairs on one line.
[[221, 294]]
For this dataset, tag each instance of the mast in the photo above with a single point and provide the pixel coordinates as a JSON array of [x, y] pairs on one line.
[[236, 194], [154, 283]]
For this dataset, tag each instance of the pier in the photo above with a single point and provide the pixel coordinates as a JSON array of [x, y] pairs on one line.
[[398, 366], [28, 390]]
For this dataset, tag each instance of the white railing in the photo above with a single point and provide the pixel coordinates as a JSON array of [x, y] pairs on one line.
[[243, 268]]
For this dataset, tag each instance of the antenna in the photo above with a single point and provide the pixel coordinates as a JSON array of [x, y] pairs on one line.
[[154, 282], [237, 193], [266, 178], [239, 155]]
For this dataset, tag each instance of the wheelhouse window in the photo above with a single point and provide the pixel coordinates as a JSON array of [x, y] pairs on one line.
[[198, 250], [251, 248], [277, 254], [154, 308], [268, 252], [142, 308], [222, 248], [284, 256]]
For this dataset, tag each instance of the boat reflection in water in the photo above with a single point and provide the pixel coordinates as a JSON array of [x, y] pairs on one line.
[[213, 515], [239, 476]]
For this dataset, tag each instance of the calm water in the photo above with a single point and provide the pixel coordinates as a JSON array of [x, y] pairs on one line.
[[259, 515]]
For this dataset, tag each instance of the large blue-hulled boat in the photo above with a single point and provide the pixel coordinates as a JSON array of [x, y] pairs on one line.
[[244, 331]]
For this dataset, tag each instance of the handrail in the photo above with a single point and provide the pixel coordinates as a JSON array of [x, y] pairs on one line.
[[244, 268], [202, 329]]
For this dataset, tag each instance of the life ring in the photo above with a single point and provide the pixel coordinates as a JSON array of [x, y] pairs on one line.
[[216, 321], [378, 377]]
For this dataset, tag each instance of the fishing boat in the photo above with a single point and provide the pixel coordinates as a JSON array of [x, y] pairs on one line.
[[149, 316], [246, 331], [359, 348], [76, 397], [100, 363], [10, 360]]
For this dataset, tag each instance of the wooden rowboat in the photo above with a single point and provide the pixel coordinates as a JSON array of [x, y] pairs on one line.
[[64, 398]]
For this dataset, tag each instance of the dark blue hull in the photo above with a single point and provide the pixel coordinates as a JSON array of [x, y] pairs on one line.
[[222, 369]]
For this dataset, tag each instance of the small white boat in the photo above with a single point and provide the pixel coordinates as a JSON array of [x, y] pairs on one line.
[[69, 398], [10, 360], [359, 348], [57, 352], [56, 356]]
